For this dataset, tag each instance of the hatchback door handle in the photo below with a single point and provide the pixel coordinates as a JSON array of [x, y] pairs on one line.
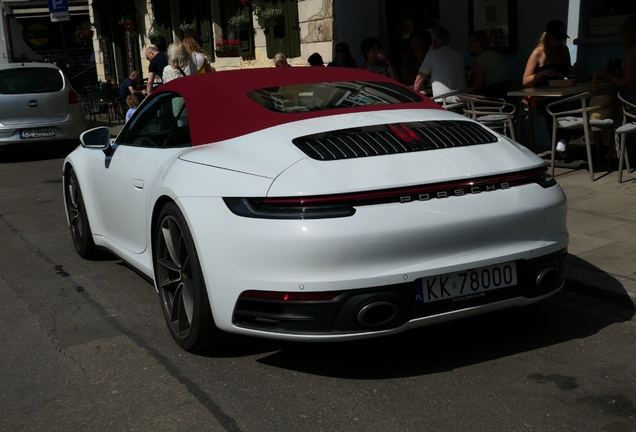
[[138, 183]]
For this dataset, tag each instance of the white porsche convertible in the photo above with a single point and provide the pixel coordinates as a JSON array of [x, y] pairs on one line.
[[315, 204]]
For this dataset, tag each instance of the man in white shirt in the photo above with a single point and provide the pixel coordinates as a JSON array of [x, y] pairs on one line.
[[443, 64]]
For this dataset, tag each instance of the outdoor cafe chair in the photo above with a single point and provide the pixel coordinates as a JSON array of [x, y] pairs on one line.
[[628, 127], [450, 101], [494, 113], [594, 105]]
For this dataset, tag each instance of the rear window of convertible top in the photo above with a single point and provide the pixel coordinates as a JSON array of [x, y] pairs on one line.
[[331, 95], [30, 80]]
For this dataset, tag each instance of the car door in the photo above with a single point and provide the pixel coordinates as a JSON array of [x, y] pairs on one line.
[[145, 148]]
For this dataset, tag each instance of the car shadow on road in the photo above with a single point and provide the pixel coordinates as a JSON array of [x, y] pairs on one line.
[[584, 277], [443, 347], [31, 152]]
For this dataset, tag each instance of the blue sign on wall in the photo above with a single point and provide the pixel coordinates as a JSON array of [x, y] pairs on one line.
[[58, 5]]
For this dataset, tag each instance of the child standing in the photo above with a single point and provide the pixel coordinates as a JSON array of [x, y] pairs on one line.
[[133, 102]]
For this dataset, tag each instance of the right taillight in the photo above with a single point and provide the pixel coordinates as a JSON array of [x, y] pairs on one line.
[[73, 97]]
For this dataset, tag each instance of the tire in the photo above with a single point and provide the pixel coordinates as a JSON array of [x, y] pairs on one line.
[[77, 220], [182, 292]]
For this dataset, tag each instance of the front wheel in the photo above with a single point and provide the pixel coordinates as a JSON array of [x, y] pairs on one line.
[[179, 278]]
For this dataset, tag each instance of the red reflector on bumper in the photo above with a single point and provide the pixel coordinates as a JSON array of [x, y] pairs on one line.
[[283, 296]]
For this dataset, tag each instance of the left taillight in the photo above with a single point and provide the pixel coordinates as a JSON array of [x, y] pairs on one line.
[[73, 97]]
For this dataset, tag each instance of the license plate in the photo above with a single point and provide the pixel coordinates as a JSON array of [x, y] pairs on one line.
[[37, 133], [466, 284]]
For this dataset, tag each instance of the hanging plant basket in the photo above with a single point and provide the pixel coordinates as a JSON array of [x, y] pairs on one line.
[[245, 2], [228, 53], [88, 34], [129, 26]]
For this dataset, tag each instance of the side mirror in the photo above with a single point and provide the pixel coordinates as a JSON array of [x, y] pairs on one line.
[[96, 139]]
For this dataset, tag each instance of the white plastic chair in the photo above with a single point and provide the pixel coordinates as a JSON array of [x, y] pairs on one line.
[[628, 127], [495, 113], [450, 100], [580, 118]]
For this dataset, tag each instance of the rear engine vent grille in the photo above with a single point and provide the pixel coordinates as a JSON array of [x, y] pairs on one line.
[[391, 139]]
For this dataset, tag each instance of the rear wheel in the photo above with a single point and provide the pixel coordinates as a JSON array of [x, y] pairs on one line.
[[77, 219], [182, 291]]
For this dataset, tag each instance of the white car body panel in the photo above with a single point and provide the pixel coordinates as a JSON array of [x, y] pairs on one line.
[[385, 244]]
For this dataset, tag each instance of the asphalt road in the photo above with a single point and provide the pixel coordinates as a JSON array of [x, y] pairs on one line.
[[83, 346]]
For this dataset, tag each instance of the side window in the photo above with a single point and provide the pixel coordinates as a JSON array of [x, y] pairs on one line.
[[161, 123]]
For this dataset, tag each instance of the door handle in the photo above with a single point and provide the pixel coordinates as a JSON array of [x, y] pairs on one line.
[[138, 183]]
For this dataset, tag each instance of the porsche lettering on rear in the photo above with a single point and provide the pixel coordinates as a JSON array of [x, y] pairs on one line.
[[455, 192]]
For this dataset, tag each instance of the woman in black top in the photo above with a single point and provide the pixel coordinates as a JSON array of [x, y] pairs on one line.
[[550, 60]]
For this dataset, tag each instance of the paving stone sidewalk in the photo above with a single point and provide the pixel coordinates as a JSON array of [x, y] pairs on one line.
[[602, 226]]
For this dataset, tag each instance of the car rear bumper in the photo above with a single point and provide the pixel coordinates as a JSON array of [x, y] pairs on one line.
[[389, 309], [381, 249], [69, 130]]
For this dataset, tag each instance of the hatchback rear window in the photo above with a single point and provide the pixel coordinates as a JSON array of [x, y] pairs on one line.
[[30, 80], [331, 95]]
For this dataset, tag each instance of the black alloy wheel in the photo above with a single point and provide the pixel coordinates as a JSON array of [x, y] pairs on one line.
[[179, 278], [77, 219]]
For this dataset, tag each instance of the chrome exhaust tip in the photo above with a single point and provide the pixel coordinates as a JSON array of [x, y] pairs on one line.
[[377, 313], [547, 279]]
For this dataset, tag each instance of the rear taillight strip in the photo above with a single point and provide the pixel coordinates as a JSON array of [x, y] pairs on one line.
[[344, 205]]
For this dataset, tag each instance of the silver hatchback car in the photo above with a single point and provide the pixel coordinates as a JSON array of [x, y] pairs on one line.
[[37, 103]]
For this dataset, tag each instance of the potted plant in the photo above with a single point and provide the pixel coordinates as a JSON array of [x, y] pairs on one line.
[[154, 36], [271, 16], [128, 22], [245, 2], [226, 48], [83, 32], [239, 20], [188, 29]]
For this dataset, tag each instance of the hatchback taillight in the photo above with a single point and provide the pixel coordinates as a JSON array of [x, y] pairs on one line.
[[73, 97]]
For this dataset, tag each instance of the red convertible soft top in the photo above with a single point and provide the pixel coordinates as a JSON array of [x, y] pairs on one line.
[[219, 108]]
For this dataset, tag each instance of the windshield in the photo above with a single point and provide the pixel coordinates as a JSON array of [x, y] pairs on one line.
[[30, 80], [331, 95]]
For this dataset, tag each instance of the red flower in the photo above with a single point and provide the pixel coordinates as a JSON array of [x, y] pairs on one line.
[[236, 42]]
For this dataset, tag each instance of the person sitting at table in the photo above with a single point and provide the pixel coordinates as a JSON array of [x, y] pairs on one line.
[[491, 74], [343, 57], [550, 60], [375, 59], [412, 60], [443, 64], [127, 87], [628, 40]]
